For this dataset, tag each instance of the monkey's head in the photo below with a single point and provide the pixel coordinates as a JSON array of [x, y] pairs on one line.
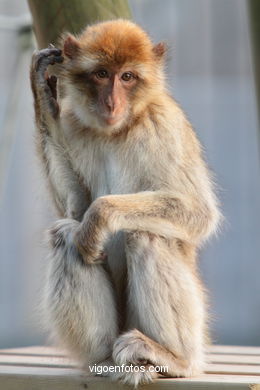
[[112, 72]]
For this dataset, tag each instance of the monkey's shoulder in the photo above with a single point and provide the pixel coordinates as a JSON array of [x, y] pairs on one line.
[[165, 126]]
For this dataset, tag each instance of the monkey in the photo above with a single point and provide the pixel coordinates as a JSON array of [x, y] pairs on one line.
[[135, 200]]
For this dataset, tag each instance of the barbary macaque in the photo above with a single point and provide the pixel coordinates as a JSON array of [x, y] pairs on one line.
[[128, 179]]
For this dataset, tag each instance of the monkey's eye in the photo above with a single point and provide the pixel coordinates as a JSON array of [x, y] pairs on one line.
[[101, 74], [127, 76]]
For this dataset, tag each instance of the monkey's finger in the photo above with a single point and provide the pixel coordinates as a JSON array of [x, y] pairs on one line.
[[41, 59], [52, 81], [55, 59], [44, 62], [50, 51]]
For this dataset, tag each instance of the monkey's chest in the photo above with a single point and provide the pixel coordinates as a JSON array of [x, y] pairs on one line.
[[104, 173], [109, 177], [115, 177]]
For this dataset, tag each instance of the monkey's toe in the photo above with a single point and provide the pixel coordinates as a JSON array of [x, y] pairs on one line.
[[135, 378]]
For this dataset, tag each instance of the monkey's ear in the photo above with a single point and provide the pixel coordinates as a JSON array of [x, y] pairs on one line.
[[159, 50], [71, 46]]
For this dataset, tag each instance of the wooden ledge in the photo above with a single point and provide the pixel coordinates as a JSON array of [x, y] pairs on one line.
[[46, 368]]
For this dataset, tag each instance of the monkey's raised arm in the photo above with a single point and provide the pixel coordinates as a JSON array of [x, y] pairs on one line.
[[158, 212], [70, 198]]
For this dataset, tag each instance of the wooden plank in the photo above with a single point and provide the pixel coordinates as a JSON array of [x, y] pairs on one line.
[[230, 349], [71, 384], [24, 378], [232, 369], [34, 371], [39, 368], [34, 351], [231, 359], [68, 372], [218, 378], [241, 363], [37, 361], [50, 351]]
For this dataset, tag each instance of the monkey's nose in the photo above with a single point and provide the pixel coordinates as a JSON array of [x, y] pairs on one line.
[[110, 103]]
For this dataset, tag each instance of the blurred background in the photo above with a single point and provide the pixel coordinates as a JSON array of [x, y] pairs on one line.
[[210, 73]]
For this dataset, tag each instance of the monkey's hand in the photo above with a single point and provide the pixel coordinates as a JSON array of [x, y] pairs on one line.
[[43, 86], [62, 234], [92, 234]]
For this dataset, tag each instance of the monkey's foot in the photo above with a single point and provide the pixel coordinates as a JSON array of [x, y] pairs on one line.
[[133, 353], [132, 348]]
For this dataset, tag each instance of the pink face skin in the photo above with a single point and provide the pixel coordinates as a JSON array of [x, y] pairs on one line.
[[113, 89]]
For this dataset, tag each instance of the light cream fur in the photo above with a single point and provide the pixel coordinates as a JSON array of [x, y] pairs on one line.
[[143, 195]]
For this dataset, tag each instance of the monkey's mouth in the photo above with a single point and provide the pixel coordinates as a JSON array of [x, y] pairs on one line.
[[113, 119]]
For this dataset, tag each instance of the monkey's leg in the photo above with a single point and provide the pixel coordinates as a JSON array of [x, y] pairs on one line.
[[79, 299], [166, 305]]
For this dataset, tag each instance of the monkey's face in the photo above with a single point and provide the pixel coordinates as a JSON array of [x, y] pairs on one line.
[[107, 93], [111, 70], [112, 90]]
